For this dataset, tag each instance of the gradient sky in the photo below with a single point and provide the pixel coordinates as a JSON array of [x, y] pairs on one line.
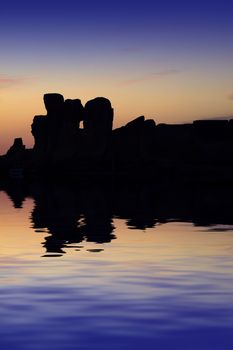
[[171, 60]]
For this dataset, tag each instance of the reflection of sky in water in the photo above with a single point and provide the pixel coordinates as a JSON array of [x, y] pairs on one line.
[[168, 287]]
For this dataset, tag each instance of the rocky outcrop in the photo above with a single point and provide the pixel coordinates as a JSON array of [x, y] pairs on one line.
[[141, 146]]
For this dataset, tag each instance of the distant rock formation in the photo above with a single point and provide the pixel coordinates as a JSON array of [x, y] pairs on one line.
[[199, 149]]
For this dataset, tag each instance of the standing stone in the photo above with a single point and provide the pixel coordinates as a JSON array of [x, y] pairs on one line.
[[98, 120], [54, 104], [73, 110], [39, 129], [17, 148], [16, 154]]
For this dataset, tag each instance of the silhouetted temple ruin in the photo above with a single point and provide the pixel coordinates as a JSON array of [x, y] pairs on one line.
[[198, 149]]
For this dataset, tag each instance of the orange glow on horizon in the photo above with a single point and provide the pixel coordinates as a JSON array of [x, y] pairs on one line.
[[177, 98]]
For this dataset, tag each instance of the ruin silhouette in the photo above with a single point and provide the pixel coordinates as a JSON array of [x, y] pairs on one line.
[[200, 150]]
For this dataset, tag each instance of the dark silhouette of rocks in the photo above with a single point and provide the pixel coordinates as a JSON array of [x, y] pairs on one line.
[[17, 147], [16, 159], [97, 122], [39, 130], [98, 115], [56, 134], [73, 111], [54, 104], [134, 143], [200, 150], [210, 130]]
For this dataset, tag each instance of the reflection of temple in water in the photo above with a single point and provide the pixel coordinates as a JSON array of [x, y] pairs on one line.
[[74, 214]]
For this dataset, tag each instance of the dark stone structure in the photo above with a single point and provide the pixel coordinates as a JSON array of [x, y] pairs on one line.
[[98, 120], [56, 133], [39, 130], [199, 150], [16, 154], [17, 149]]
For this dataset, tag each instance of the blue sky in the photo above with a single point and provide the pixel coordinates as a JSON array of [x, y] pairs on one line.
[[170, 60]]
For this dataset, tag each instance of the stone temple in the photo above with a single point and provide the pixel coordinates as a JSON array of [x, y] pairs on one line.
[[72, 138]]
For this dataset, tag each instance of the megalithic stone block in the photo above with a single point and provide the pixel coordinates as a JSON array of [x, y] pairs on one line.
[[39, 129], [54, 103], [15, 156], [17, 146], [98, 119], [98, 115], [73, 111]]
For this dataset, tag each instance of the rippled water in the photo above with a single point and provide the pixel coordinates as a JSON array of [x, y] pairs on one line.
[[155, 286]]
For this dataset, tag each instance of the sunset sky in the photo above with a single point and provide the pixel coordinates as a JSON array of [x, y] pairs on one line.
[[171, 60]]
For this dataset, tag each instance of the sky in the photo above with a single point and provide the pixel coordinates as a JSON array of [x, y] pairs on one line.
[[168, 60]]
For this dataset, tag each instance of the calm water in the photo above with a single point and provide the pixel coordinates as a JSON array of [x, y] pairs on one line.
[[81, 272]]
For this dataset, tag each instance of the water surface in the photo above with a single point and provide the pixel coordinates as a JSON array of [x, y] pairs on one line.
[[79, 273]]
